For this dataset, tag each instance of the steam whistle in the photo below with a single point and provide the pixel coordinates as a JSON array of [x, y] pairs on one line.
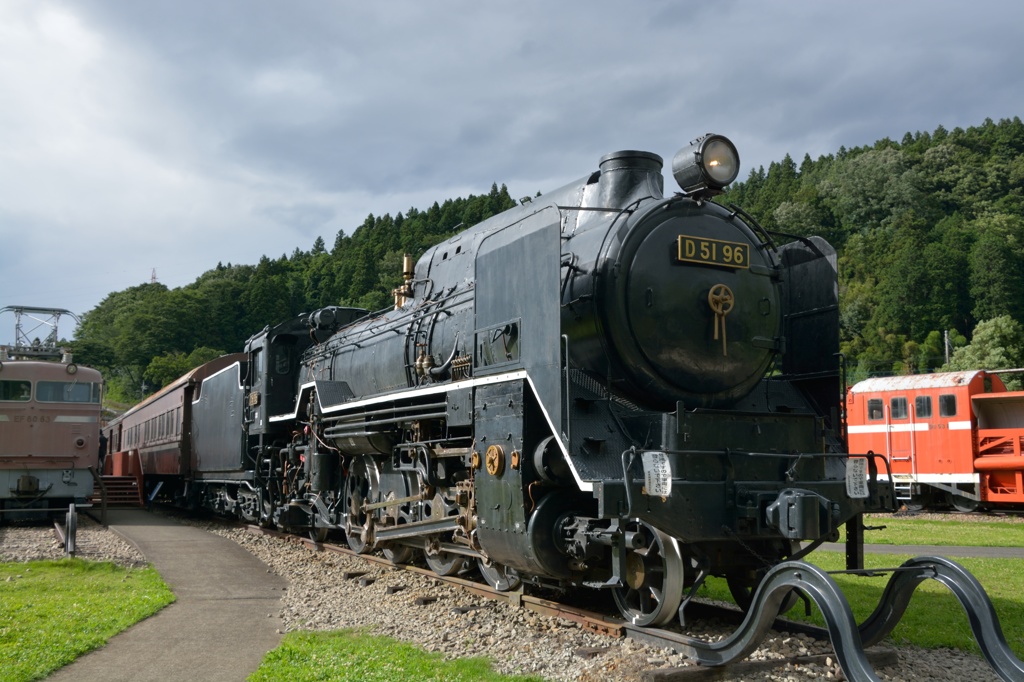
[[404, 292]]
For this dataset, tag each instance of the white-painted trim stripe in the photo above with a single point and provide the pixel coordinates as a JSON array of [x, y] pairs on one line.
[[68, 419], [444, 388], [4, 418], [403, 395], [931, 478], [960, 426], [891, 428], [429, 390], [583, 485], [233, 365]]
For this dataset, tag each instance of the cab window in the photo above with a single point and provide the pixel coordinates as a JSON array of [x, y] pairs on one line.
[[947, 405], [875, 409], [20, 391], [898, 408], [923, 406], [67, 392]]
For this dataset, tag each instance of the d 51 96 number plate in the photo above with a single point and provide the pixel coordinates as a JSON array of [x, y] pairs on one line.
[[713, 252]]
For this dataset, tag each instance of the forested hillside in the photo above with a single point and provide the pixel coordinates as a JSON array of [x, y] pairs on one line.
[[930, 234], [150, 334]]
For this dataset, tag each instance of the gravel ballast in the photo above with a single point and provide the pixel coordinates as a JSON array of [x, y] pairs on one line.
[[456, 624]]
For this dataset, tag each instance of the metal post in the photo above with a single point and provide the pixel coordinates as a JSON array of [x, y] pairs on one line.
[[855, 543], [70, 529]]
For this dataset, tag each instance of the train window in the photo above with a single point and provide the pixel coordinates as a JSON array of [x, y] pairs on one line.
[[283, 354], [67, 392], [498, 345], [923, 406], [898, 408], [282, 361], [20, 391], [875, 409], [257, 360], [947, 405]]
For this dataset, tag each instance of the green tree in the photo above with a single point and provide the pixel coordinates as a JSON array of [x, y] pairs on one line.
[[996, 344], [997, 267], [168, 367]]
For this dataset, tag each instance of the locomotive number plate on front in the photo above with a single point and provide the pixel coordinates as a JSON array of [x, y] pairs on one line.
[[713, 252]]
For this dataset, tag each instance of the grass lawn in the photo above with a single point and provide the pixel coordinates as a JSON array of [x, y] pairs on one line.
[[54, 611], [934, 617], [951, 530], [362, 657]]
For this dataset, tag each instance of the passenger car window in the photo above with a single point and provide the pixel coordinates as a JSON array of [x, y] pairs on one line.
[[875, 409]]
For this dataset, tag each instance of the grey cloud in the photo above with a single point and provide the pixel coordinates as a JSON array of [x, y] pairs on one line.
[[309, 115], [306, 219]]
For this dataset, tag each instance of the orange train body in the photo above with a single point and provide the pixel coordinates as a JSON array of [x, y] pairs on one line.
[[952, 437]]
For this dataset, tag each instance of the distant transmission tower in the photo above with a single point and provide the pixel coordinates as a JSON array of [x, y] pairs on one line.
[[152, 278]]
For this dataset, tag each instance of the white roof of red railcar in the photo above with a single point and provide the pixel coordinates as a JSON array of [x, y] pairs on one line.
[[910, 382]]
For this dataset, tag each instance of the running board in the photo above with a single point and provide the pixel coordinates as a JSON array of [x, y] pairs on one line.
[[848, 639]]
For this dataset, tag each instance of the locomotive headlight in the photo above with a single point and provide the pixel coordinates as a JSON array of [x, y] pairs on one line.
[[706, 166]]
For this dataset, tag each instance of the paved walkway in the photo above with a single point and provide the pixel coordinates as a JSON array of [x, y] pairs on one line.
[[218, 629]]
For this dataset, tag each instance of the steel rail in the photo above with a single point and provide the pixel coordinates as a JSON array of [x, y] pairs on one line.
[[849, 640]]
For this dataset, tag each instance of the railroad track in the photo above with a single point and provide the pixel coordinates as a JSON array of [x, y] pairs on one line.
[[605, 624]]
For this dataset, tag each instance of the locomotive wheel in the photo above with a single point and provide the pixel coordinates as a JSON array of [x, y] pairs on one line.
[[398, 554], [248, 506], [443, 563], [654, 579], [500, 577], [360, 486], [915, 505], [318, 534], [961, 503]]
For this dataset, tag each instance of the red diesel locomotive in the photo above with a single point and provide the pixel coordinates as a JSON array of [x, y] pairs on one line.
[[953, 437]]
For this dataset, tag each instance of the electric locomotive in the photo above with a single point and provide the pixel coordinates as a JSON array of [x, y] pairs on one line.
[[49, 424], [603, 387]]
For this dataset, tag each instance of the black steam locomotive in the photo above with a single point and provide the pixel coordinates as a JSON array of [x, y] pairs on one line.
[[602, 387]]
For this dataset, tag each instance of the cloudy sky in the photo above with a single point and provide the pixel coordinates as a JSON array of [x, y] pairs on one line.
[[173, 135]]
